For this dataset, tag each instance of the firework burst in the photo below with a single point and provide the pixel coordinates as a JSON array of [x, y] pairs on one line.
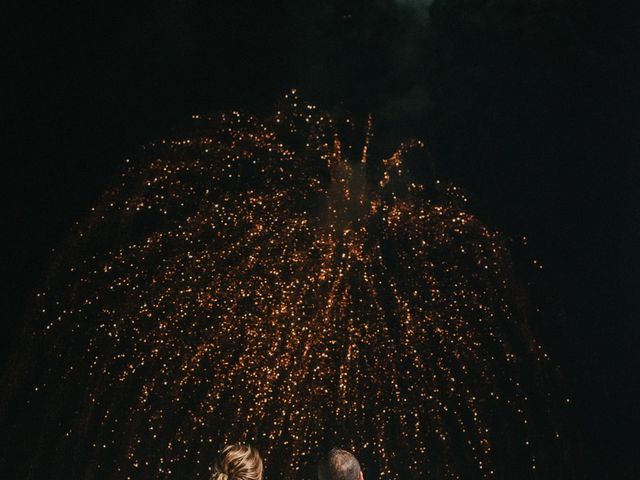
[[265, 281]]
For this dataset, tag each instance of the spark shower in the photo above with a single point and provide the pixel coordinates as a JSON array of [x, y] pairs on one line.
[[270, 280]]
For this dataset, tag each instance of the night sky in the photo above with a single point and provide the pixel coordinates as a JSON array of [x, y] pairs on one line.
[[531, 106]]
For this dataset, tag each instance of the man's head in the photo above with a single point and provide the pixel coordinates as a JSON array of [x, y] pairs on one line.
[[339, 465]]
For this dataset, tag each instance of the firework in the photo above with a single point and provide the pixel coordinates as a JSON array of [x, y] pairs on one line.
[[267, 281]]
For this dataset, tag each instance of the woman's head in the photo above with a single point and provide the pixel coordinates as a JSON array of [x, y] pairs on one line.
[[238, 462]]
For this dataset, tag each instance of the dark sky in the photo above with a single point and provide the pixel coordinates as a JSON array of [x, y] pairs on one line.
[[531, 106]]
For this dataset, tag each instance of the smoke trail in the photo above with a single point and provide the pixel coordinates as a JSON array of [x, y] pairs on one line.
[[420, 7]]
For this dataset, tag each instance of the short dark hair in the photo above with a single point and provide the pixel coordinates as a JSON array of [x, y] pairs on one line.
[[339, 465]]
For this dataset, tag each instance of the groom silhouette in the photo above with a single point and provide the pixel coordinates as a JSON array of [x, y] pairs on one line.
[[339, 465]]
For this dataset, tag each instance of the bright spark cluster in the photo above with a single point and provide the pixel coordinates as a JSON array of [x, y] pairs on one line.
[[253, 281]]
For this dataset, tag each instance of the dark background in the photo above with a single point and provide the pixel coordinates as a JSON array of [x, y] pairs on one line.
[[531, 106]]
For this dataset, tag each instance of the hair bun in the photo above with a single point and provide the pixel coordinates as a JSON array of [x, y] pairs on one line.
[[238, 462]]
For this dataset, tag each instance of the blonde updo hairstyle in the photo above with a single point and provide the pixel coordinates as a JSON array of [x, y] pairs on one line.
[[238, 462]]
